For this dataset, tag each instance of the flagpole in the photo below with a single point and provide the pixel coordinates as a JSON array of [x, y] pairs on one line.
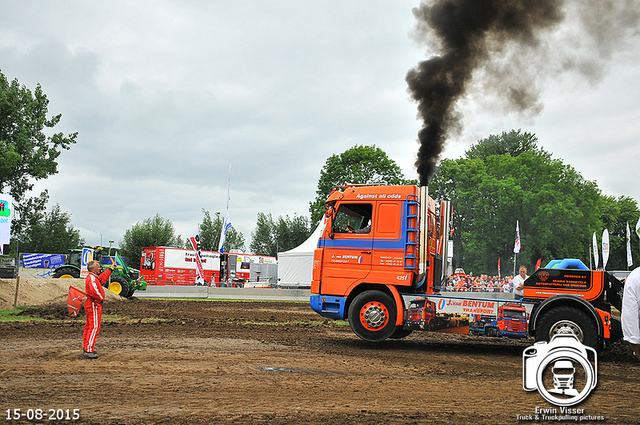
[[227, 222]]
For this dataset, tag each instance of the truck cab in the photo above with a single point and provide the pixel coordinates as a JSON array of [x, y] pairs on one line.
[[369, 253]]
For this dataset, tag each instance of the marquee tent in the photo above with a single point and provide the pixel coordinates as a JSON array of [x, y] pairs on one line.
[[295, 267]]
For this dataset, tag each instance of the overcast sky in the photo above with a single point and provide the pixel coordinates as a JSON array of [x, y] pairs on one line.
[[165, 95]]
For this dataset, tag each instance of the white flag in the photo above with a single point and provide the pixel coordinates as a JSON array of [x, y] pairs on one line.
[[516, 247], [223, 232], [638, 228], [596, 257], [605, 248], [194, 237], [629, 256]]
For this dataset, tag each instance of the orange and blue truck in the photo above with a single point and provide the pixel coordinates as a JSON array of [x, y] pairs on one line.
[[510, 322], [384, 248]]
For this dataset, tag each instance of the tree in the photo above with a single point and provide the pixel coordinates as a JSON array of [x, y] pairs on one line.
[[556, 208], [513, 143], [20, 225], [210, 231], [155, 231], [26, 152], [263, 239], [50, 233], [284, 234], [615, 214], [291, 232], [358, 165]]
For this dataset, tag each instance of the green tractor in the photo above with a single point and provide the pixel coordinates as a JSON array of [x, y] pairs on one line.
[[123, 280]]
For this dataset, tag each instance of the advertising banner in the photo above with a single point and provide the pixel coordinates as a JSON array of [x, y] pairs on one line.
[[87, 255], [6, 207], [596, 258], [42, 261], [605, 248]]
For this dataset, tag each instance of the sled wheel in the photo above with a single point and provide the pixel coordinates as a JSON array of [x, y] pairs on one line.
[[372, 316], [119, 286], [568, 320]]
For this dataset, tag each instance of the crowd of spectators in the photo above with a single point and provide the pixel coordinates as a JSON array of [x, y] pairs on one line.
[[482, 283]]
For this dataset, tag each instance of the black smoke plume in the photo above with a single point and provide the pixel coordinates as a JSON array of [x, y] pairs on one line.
[[510, 49], [467, 31]]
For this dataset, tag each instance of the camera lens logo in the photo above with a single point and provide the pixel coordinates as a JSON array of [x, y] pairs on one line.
[[561, 370]]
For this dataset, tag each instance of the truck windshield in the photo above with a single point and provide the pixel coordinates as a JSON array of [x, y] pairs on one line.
[[353, 218], [417, 304], [515, 314]]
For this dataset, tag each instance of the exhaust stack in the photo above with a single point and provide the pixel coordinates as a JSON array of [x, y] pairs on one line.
[[443, 240], [424, 216]]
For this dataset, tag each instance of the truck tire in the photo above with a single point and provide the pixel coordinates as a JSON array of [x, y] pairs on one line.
[[66, 273], [119, 286], [400, 333], [372, 316], [564, 319]]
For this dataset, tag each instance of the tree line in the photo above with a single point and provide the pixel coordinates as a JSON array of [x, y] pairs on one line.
[[507, 178], [500, 180]]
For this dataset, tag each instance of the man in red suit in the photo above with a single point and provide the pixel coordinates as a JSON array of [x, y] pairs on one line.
[[93, 307]]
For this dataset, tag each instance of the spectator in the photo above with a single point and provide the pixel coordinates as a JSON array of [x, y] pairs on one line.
[[518, 283], [631, 311]]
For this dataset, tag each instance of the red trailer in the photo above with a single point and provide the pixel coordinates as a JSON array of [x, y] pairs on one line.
[[173, 266]]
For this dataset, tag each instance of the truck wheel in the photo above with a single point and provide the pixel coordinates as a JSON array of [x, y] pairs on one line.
[[119, 286], [565, 320], [372, 316], [400, 333], [66, 273]]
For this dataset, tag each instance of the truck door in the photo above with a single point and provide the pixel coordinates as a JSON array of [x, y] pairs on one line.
[[347, 251]]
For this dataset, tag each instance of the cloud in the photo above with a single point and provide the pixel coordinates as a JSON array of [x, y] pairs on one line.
[[165, 95]]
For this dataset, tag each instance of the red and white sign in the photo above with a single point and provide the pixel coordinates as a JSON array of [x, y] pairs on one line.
[[194, 238], [173, 266]]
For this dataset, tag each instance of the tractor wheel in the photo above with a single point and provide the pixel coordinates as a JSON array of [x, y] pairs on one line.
[[565, 320], [400, 333], [119, 286], [66, 273], [372, 316]]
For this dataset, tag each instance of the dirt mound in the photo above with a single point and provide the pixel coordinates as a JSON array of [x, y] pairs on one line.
[[33, 292], [619, 352]]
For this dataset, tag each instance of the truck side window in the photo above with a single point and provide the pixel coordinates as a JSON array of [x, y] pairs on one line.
[[353, 218]]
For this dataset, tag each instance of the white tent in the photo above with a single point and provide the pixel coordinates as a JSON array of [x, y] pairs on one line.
[[295, 267]]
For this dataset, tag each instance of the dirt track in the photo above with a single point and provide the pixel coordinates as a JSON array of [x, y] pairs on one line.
[[202, 362]]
